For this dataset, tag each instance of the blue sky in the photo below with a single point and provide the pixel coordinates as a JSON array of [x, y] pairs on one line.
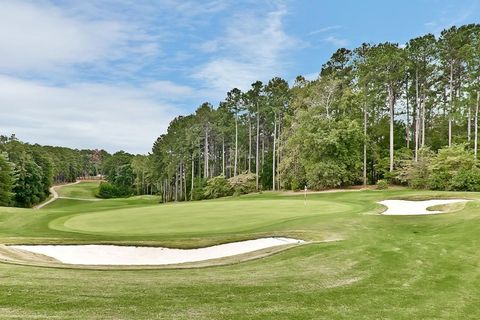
[[112, 74]]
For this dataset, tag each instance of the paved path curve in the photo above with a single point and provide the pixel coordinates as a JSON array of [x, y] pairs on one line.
[[55, 195]]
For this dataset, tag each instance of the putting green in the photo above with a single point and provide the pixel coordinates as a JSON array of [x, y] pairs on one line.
[[221, 216]]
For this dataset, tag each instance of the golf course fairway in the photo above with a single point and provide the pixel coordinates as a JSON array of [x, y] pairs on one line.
[[355, 264]]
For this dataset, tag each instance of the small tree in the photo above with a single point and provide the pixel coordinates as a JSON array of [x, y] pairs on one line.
[[243, 183], [217, 187]]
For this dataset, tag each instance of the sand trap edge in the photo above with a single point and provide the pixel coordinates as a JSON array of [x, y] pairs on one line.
[[422, 206], [5, 257]]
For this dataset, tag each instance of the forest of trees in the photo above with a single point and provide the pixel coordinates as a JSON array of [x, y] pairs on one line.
[[380, 111], [28, 171], [402, 114]]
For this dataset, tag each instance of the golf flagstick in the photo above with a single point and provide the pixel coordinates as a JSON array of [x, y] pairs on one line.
[[305, 197]]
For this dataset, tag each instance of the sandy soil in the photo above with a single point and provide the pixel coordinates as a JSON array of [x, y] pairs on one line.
[[405, 207], [130, 255]]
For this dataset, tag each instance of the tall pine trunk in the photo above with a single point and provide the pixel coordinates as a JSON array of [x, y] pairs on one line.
[[164, 190], [236, 145], [451, 107], [274, 151], [469, 125], [263, 152], [181, 180], [365, 115], [184, 173], [193, 178], [176, 184], [249, 144], [205, 168], [279, 149], [408, 115], [476, 125], [391, 102], [423, 121], [417, 115], [223, 156], [256, 154]]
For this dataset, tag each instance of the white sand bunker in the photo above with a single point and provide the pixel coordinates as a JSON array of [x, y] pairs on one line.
[[130, 255], [405, 207]]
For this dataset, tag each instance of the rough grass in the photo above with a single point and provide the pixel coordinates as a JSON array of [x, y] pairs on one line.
[[387, 267]]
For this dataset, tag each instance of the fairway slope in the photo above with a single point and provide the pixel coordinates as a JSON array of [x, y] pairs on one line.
[[79, 190]]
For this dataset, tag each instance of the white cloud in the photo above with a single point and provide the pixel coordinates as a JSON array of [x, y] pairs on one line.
[[38, 36], [209, 46], [92, 74], [85, 115], [221, 75], [194, 8], [329, 36], [169, 90], [191, 14], [325, 29], [338, 42], [251, 49]]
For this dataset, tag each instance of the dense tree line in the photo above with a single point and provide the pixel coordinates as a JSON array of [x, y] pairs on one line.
[[407, 114], [28, 171], [372, 112]]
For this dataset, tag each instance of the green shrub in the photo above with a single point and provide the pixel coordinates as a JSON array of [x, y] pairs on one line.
[[440, 180], [294, 185], [382, 185], [198, 188], [415, 173], [451, 168], [421, 169], [453, 159], [466, 180], [217, 187], [403, 165], [243, 183], [107, 190]]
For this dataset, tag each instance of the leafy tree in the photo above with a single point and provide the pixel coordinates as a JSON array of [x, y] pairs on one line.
[[28, 189], [329, 151], [6, 180]]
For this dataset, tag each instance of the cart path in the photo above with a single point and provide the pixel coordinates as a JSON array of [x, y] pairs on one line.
[[55, 195]]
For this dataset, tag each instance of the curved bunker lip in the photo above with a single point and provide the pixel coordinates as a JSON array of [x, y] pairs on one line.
[[135, 256], [408, 207]]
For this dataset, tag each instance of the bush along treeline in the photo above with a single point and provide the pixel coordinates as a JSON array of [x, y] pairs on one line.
[[377, 112], [28, 171], [451, 168]]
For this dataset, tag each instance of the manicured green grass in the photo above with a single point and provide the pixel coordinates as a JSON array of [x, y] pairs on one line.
[[387, 267], [83, 190]]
